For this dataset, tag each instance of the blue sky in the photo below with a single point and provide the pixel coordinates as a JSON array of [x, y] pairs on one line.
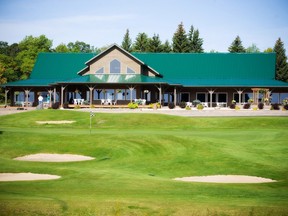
[[101, 23]]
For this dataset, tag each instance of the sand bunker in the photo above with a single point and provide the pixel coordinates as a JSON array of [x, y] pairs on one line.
[[26, 177], [55, 122], [225, 179], [42, 157]]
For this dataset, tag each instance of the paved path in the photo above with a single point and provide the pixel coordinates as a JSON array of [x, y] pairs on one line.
[[194, 112], [177, 111]]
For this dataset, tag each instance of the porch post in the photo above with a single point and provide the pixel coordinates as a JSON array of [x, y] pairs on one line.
[[50, 97], [175, 96], [27, 91], [255, 95], [131, 89], [160, 95], [62, 95], [211, 93], [91, 88], [54, 95], [6, 96], [239, 93]]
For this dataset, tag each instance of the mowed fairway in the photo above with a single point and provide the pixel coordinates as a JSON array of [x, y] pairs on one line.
[[137, 156]]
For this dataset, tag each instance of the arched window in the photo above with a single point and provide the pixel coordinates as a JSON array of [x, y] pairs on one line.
[[115, 66]]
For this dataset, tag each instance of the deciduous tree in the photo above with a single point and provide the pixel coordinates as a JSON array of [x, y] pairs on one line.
[[79, 46], [29, 49], [253, 49]]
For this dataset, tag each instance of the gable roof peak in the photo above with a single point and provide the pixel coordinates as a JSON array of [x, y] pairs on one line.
[[115, 46]]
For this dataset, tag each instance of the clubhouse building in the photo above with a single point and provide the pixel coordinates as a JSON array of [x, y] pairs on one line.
[[117, 77]]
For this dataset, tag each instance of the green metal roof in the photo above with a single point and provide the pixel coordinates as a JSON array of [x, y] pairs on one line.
[[214, 69], [117, 79], [187, 69], [31, 82], [52, 67]]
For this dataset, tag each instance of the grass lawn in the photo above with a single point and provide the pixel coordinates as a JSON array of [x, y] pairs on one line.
[[136, 158]]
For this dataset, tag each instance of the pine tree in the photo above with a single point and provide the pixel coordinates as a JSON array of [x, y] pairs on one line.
[[166, 47], [197, 43], [141, 43], [236, 46], [127, 42], [281, 61], [154, 44], [180, 40]]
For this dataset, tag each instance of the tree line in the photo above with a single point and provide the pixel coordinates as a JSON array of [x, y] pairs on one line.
[[17, 60]]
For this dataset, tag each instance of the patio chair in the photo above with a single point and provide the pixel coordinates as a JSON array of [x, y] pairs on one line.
[[109, 101], [102, 101]]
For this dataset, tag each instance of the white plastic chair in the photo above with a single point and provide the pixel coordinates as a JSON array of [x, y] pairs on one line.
[[109, 101]]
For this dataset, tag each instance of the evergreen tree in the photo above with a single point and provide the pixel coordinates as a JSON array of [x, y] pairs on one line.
[[141, 43], [154, 44], [166, 47], [197, 43], [127, 42], [180, 40], [281, 61], [236, 46]]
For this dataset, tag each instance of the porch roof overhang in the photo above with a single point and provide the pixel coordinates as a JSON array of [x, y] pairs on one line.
[[115, 79], [31, 83], [231, 83]]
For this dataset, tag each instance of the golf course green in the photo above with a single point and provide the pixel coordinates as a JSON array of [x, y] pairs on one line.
[[137, 157]]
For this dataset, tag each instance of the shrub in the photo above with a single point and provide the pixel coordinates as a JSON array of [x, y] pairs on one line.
[[247, 106], [77, 107], [200, 107], [182, 104], [275, 106], [86, 102], [55, 105], [171, 105], [187, 108], [66, 105], [132, 105], [196, 102], [232, 106], [285, 106], [260, 105]]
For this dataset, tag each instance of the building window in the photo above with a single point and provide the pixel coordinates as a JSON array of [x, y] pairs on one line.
[[115, 66], [185, 97], [201, 96], [100, 71], [244, 97], [222, 97], [130, 71]]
